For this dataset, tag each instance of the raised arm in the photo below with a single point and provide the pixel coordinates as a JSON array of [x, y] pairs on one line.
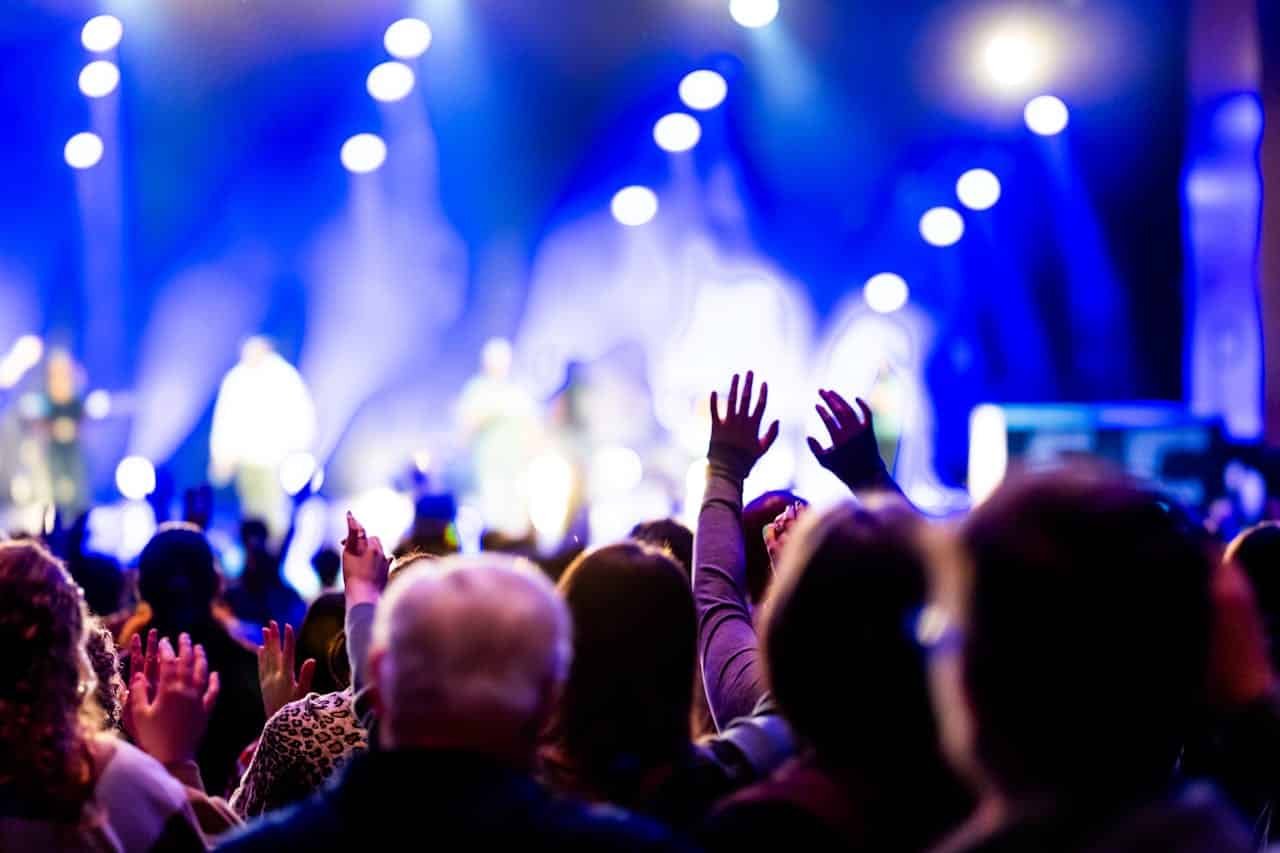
[[727, 646], [364, 576], [853, 456]]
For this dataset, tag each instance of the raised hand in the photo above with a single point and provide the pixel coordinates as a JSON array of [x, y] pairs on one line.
[[853, 456], [169, 717], [364, 565], [735, 438], [146, 664], [275, 669]]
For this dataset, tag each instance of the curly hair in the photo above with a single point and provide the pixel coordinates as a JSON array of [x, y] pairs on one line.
[[110, 692], [44, 681]]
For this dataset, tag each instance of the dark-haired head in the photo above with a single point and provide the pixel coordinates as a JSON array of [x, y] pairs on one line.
[[1087, 634], [756, 516], [625, 707], [1257, 552], [667, 534], [177, 577]]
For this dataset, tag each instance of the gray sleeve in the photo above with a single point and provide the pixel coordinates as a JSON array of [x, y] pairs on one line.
[[727, 647]]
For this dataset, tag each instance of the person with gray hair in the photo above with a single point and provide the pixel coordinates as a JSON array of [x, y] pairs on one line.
[[467, 659]]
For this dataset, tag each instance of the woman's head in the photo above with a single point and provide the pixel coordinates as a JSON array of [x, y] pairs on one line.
[[625, 707], [45, 679], [839, 643], [178, 578]]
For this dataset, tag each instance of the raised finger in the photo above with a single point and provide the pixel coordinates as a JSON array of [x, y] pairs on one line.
[[758, 414], [355, 541], [715, 408], [746, 393], [840, 408], [732, 407], [135, 655], [289, 647], [816, 447], [200, 670], [828, 421], [186, 657], [866, 412], [769, 437], [151, 662], [211, 693]]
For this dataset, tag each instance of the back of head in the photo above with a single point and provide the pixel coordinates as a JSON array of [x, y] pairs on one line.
[[757, 515], [327, 563], [177, 578], [1087, 634], [1257, 552], [667, 534], [625, 707], [43, 739], [839, 642], [322, 637], [468, 653]]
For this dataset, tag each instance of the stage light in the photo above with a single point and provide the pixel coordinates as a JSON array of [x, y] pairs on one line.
[[885, 292], [83, 151], [1046, 115], [363, 153], [988, 450], [296, 471], [99, 78], [25, 354], [97, 404], [549, 485], [390, 81], [422, 461], [101, 33], [703, 89], [941, 226], [615, 470], [1014, 58], [135, 477], [753, 13], [407, 38], [676, 132], [978, 189], [634, 205], [384, 513]]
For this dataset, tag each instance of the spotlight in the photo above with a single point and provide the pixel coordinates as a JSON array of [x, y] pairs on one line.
[[753, 13], [390, 81], [99, 78], [941, 226], [1046, 115], [101, 33], [978, 189], [296, 471], [83, 150], [703, 90], [1014, 58], [135, 477], [25, 354], [676, 132], [97, 404], [407, 38], [885, 293], [363, 153], [549, 486], [634, 205], [615, 470]]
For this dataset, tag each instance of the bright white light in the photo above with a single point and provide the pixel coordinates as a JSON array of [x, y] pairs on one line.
[[676, 132], [407, 38], [703, 89], [101, 33], [978, 189], [385, 513], [390, 81], [363, 153], [1046, 115], [83, 150], [99, 78], [422, 461], [885, 292], [988, 450], [615, 470], [695, 487], [135, 477], [549, 486], [25, 354], [941, 226], [634, 205], [296, 471], [753, 13], [1014, 58], [97, 404]]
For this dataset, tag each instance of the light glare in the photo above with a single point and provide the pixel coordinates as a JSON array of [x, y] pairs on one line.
[[1046, 115], [677, 132], [390, 81], [407, 38], [363, 153], [978, 189], [941, 226], [703, 89], [885, 292], [83, 151], [101, 33], [634, 205], [296, 471], [99, 78], [753, 13], [1014, 58], [135, 477]]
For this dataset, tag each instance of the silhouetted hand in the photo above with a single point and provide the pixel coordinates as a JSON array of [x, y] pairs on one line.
[[779, 530], [275, 669], [364, 565], [169, 717], [853, 456], [147, 663], [1239, 665], [736, 443]]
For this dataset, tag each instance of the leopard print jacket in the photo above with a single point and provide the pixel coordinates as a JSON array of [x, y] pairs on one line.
[[302, 746]]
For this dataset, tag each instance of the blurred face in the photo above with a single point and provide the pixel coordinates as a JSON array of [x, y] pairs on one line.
[[778, 531], [61, 375]]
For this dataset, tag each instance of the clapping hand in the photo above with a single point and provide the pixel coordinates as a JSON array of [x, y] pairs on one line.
[[275, 669], [167, 716], [735, 438]]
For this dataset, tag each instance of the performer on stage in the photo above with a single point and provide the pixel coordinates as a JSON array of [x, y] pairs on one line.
[[263, 413], [57, 412]]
